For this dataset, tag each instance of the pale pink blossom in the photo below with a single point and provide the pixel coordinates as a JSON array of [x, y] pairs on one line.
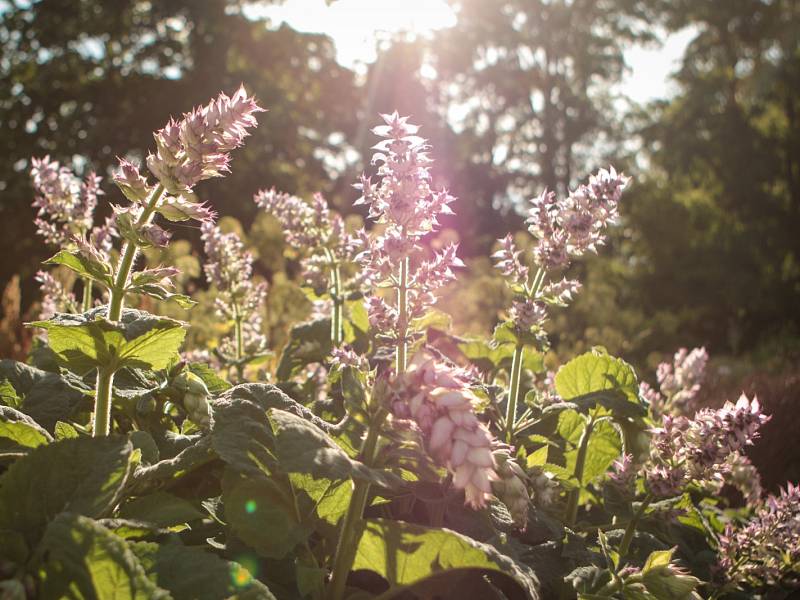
[[437, 398]]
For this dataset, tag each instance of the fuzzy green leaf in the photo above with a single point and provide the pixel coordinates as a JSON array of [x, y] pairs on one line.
[[18, 432], [85, 267], [86, 342], [604, 448], [302, 447], [596, 372], [405, 554], [46, 397], [83, 559], [8, 395], [261, 514], [194, 573], [308, 343], [82, 475]]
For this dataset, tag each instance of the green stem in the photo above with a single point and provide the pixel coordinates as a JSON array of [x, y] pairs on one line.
[[87, 295], [129, 254], [625, 544], [571, 513], [513, 391], [349, 535], [402, 320], [101, 421], [105, 377], [337, 333]]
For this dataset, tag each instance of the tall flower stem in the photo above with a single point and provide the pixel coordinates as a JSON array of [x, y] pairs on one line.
[[239, 340], [571, 513], [87, 295], [349, 537], [350, 532], [625, 544], [129, 254], [402, 320], [337, 333], [513, 390], [101, 423]]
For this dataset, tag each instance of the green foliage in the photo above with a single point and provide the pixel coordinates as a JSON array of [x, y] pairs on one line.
[[87, 268], [140, 341], [308, 343], [45, 397], [405, 554], [595, 372], [85, 560], [187, 572], [18, 432], [80, 476]]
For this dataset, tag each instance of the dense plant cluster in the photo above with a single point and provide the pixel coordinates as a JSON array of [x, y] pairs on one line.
[[413, 463]]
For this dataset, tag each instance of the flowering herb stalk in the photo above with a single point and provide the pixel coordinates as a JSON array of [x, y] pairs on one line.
[[405, 204], [230, 269], [693, 451], [327, 250], [565, 229], [65, 220], [195, 148]]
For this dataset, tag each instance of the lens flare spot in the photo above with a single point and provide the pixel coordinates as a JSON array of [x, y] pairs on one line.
[[243, 571], [250, 507]]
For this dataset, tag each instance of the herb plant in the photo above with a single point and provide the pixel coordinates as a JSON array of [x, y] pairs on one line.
[[419, 465]]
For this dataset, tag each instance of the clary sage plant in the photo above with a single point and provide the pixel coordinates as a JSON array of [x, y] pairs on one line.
[[378, 454]]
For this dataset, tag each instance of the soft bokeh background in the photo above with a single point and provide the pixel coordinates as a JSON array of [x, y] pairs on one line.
[[696, 99]]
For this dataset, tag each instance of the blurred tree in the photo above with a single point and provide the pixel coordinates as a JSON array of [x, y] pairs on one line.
[[716, 221], [93, 78], [527, 85]]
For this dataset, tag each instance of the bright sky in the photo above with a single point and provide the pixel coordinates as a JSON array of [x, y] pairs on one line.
[[357, 26]]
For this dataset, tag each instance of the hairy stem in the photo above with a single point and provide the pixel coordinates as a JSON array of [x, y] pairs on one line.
[[349, 535], [101, 420], [105, 377], [571, 513], [402, 320], [337, 333], [625, 544], [513, 391], [87, 295]]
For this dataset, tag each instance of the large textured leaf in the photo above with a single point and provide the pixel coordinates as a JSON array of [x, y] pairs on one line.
[[257, 428], [405, 554], [8, 395], [88, 341], [150, 477], [262, 514], [308, 343], [194, 573], [82, 559], [598, 384], [596, 372], [46, 397], [302, 447], [241, 432], [83, 345], [214, 383], [161, 509], [328, 500], [80, 475], [18, 432], [156, 348]]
